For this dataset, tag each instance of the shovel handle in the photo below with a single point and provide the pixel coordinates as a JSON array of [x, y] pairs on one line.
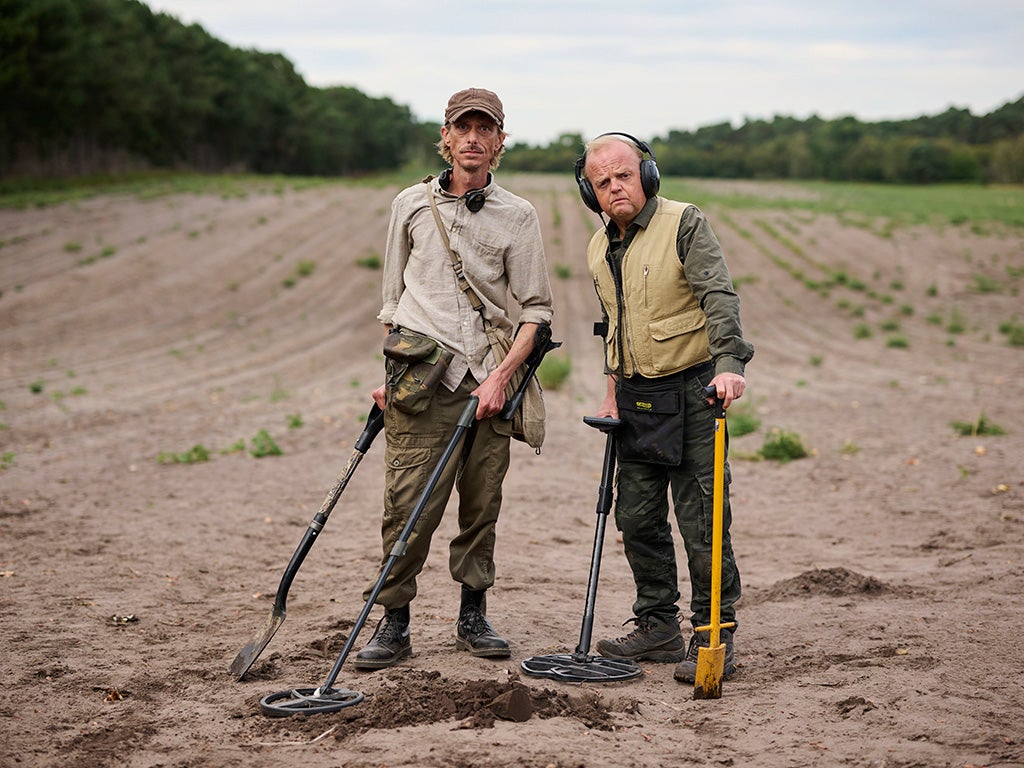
[[712, 392]]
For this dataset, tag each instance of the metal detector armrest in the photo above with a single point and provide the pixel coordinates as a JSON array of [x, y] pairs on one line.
[[603, 423]]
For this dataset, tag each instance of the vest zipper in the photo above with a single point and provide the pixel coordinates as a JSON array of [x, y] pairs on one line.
[[646, 270]]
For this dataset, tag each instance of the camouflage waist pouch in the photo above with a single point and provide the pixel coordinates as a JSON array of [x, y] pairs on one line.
[[415, 366]]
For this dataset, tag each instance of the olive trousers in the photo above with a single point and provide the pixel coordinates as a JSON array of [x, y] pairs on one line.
[[476, 470]]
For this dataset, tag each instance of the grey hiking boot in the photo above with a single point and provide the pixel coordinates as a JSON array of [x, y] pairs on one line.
[[686, 670], [474, 632], [391, 642], [654, 639]]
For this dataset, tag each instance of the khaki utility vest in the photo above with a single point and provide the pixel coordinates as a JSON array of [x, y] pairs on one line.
[[664, 322]]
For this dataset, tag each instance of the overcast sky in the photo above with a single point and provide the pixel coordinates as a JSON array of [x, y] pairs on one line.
[[641, 66]]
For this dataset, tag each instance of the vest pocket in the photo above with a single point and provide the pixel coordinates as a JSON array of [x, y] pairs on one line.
[[675, 341]]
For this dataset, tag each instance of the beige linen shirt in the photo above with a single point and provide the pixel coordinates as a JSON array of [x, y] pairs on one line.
[[503, 259]]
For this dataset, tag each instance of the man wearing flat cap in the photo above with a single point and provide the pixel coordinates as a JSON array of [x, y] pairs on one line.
[[460, 224]]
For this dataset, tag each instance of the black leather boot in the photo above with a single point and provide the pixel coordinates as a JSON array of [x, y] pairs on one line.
[[391, 641], [474, 632]]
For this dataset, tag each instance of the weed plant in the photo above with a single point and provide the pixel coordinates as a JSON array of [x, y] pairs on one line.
[[262, 445], [197, 453], [783, 446], [978, 428], [742, 420], [554, 370]]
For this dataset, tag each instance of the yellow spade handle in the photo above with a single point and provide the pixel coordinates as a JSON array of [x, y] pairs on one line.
[[716, 533]]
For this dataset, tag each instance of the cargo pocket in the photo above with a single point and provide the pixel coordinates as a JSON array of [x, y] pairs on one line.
[[408, 468], [706, 483]]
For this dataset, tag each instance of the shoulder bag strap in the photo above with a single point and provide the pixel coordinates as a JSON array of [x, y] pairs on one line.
[[460, 275]]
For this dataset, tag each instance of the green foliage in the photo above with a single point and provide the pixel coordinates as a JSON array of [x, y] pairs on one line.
[[194, 455], [1014, 333], [294, 420], [985, 284], [262, 445], [109, 79], [563, 271], [6, 459], [862, 331], [85, 78], [957, 324], [554, 370], [373, 261], [36, 387], [782, 446], [897, 342], [742, 420], [979, 427]]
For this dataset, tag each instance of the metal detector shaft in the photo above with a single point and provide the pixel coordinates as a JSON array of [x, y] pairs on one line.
[[542, 344], [245, 658], [580, 666], [604, 506], [466, 420]]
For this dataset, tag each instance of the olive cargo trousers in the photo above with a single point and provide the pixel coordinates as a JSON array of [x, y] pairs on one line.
[[641, 514], [476, 469]]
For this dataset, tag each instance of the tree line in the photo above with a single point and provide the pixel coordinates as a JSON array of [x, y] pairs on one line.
[[106, 86], [91, 86], [952, 146]]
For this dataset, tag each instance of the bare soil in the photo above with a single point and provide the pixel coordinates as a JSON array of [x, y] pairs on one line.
[[884, 573]]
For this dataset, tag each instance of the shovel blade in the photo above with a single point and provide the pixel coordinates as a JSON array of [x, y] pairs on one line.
[[254, 647], [707, 682]]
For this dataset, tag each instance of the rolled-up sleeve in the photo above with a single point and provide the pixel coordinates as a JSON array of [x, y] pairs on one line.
[[396, 257], [527, 273]]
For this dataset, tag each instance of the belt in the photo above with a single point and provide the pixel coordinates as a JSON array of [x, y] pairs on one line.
[[693, 372]]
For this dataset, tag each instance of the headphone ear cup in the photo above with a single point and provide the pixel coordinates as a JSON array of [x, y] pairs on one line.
[[586, 189], [650, 177], [589, 197]]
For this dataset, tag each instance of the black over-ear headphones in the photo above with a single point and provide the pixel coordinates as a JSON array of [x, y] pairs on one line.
[[475, 198], [650, 177]]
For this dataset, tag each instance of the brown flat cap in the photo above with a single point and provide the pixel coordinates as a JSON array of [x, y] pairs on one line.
[[475, 100]]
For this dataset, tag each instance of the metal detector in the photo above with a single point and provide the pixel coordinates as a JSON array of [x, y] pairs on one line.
[[581, 667], [327, 698], [251, 651]]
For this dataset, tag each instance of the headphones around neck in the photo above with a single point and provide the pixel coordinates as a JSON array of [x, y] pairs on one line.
[[650, 177], [475, 198]]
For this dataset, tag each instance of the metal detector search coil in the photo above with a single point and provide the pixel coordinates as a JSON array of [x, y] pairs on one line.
[[327, 698], [581, 667]]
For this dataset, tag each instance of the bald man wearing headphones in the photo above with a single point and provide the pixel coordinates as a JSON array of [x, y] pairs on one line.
[[672, 326]]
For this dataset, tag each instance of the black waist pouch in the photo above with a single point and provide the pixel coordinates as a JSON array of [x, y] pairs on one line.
[[652, 423]]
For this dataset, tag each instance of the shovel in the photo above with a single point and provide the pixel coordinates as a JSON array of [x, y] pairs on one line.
[[252, 649], [707, 682]]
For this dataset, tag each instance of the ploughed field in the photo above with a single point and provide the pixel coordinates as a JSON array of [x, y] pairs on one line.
[[156, 350]]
